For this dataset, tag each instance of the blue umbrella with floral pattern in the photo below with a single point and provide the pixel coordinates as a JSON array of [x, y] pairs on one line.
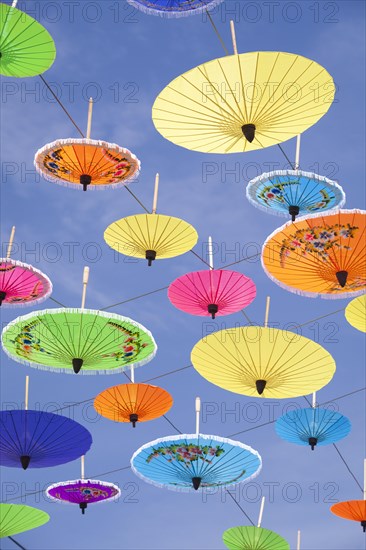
[[174, 8], [195, 461]]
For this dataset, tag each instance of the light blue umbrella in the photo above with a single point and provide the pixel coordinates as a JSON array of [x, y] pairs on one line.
[[174, 8], [312, 426], [195, 461], [293, 192]]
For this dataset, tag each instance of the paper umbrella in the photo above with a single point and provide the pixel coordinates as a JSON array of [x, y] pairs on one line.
[[174, 8], [195, 461], [17, 518], [26, 48], [354, 510], [78, 340], [263, 362], [151, 236], [21, 284], [229, 105], [356, 313], [86, 163]]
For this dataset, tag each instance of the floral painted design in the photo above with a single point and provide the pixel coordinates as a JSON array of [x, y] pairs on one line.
[[27, 343], [186, 454], [277, 193], [131, 346], [318, 241], [33, 295]]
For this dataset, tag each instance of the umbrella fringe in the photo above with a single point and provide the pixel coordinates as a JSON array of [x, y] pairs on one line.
[[80, 141], [253, 185], [193, 437], [85, 372], [175, 14]]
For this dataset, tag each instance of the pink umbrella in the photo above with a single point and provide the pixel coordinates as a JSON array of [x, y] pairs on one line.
[[212, 292], [21, 284]]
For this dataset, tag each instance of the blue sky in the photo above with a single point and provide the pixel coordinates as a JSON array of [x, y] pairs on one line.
[[126, 58]]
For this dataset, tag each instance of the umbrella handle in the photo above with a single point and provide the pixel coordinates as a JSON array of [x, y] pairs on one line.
[[82, 467], [298, 540], [364, 479], [314, 400], [297, 158], [156, 190], [14, 4], [210, 253], [261, 512], [132, 374], [85, 284], [26, 393], [90, 116], [233, 37], [11, 240], [198, 410], [268, 302]]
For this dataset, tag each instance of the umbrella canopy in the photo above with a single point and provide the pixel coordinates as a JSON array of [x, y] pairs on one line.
[[253, 538], [26, 48], [22, 284], [83, 492], [323, 255], [86, 164], [17, 518], [293, 192], [356, 313], [151, 236], [211, 293], [193, 461], [227, 105], [263, 362], [38, 439], [354, 510], [133, 403], [78, 340], [313, 426], [174, 8]]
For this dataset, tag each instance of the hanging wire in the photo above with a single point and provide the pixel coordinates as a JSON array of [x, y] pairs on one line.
[[135, 298], [17, 543], [217, 33], [238, 505]]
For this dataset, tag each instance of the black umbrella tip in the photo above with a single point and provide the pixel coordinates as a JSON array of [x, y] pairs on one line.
[[293, 211], [342, 278], [2, 296], [249, 132], [85, 180], [260, 385], [363, 525], [77, 364], [196, 482], [212, 309], [150, 256], [134, 418], [312, 442], [25, 460], [83, 506]]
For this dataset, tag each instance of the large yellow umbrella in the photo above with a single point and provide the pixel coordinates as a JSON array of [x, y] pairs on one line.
[[151, 236], [263, 362], [243, 102], [356, 313], [322, 255]]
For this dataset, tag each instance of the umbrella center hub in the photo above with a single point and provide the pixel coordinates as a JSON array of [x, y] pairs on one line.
[[293, 210], [77, 363], [248, 132], [213, 309], [312, 442], [260, 385], [85, 180], [150, 256], [196, 482], [342, 278], [2, 296], [25, 460], [83, 506], [134, 418]]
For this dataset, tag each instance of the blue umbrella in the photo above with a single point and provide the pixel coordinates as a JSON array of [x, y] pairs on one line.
[[193, 461], [174, 8], [312, 426], [40, 439], [293, 192]]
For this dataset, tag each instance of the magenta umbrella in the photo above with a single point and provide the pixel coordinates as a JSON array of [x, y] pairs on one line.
[[212, 292]]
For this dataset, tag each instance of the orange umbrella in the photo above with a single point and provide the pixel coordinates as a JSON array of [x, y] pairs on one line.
[[355, 510], [322, 255], [133, 403]]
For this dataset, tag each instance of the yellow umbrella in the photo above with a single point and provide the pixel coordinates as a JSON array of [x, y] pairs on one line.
[[321, 255], [151, 236], [243, 102], [356, 313], [263, 362]]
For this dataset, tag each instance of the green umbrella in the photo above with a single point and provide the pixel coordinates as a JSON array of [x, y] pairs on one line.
[[69, 340], [253, 538], [17, 518], [26, 48]]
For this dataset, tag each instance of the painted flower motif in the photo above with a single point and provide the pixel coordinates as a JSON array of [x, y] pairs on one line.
[[186, 454], [309, 237]]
